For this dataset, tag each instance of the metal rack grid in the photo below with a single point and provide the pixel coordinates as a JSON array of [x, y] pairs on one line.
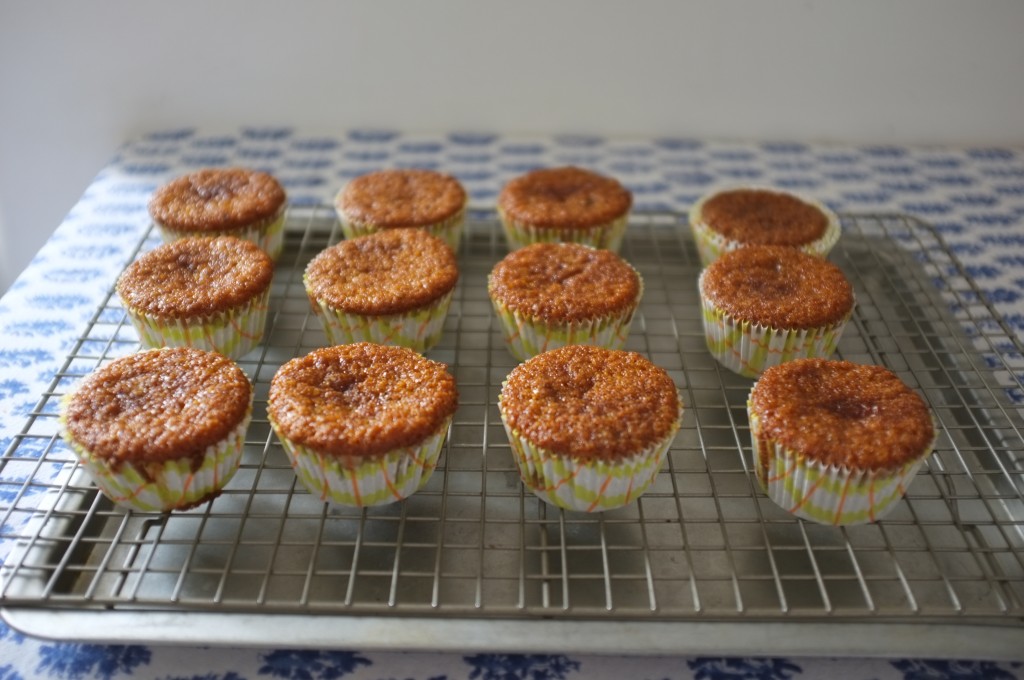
[[702, 545]]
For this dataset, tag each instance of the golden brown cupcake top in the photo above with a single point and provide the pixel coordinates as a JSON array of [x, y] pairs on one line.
[[778, 287], [158, 405], [591, 403], [388, 272], [564, 198], [564, 282], [761, 216], [217, 199], [195, 277], [401, 198], [361, 400], [842, 414]]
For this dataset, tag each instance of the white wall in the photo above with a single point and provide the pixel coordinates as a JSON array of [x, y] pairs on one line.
[[79, 78]]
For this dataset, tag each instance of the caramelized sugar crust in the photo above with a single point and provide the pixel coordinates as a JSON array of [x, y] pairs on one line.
[[842, 414], [217, 199], [196, 277], [158, 405], [761, 216], [361, 400], [387, 272], [564, 198], [591, 403], [778, 287], [401, 198], [564, 282]]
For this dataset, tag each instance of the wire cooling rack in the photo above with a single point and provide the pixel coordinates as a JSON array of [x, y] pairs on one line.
[[702, 562]]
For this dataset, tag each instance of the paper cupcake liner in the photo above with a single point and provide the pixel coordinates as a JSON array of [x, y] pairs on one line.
[[166, 485], [711, 244], [826, 494], [607, 236], [748, 349], [420, 329], [526, 336], [396, 475], [449, 230], [269, 235], [233, 333], [585, 485]]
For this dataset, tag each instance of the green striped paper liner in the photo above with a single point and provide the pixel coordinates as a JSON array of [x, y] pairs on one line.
[[585, 485], [448, 230], [233, 333], [419, 329], [526, 336], [607, 236], [161, 486], [748, 348], [364, 482], [269, 235], [711, 244], [826, 494]]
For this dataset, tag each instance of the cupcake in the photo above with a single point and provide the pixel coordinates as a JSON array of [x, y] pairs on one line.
[[395, 199], [589, 427], [161, 429], [837, 442], [363, 424], [206, 292], [725, 220], [393, 287], [222, 201], [548, 295], [564, 204], [764, 305]]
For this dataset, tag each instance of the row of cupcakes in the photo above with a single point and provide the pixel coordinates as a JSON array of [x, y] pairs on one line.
[[548, 204], [833, 441]]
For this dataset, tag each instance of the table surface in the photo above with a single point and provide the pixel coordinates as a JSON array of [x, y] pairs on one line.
[[974, 197]]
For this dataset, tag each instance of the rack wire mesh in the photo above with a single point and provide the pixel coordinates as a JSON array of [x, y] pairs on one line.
[[703, 544]]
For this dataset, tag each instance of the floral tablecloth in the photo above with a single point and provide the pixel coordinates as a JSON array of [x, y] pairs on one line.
[[974, 196]]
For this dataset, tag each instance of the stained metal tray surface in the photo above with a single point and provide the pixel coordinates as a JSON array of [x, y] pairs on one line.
[[703, 562]]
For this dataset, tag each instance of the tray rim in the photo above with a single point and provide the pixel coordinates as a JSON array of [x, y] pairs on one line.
[[940, 637]]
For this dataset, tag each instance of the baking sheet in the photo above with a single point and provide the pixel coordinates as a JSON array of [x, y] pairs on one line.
[[474, 561]]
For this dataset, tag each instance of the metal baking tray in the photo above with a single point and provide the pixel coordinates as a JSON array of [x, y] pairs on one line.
[[702, 563]]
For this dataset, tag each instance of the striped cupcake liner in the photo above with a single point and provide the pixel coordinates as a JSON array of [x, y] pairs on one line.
[[269, 235], [586, 485], [526, 336], [607, 236], [449, 230], [396, 475], [233, 333], [711, 244], [826, 494], [420, 329], [161, 486], [748, 349]]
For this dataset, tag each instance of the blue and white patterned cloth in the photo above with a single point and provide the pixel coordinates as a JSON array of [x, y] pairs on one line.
[[973, 196]]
